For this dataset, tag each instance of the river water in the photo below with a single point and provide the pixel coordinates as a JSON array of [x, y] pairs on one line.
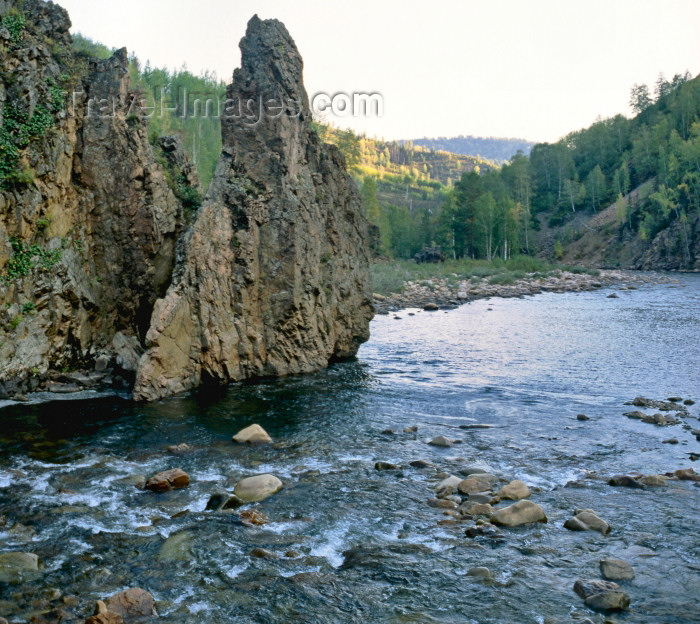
[[354, 544]]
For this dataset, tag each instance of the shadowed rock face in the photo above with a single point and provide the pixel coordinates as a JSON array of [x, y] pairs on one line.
[[272, 278], [96, 199]]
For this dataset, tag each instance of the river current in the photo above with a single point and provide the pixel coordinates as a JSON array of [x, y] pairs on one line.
[[348, 543]]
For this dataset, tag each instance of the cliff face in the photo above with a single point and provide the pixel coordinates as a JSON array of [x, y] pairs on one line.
[[272, 279], [88, 223]]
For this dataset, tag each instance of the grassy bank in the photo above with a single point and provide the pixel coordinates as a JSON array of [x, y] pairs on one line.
[[391, 276]]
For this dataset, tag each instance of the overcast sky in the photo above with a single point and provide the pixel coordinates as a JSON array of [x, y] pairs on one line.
[[534, 69]]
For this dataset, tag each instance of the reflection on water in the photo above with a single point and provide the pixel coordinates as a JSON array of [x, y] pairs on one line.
[[525, 366]]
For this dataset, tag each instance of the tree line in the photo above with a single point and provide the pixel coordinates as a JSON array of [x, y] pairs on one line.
[[494, 213]]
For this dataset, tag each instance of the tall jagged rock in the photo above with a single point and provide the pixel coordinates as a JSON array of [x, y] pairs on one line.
[[88, 222], [272, 278]]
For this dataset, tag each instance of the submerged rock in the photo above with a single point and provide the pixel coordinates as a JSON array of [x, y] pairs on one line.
[[273, 276], [253, 434], [608, 601], [480, 572], [625, 481], [441, 441], [382, 465], [131, 603], [590, 587], [257, 488], [616, 569], [16, 566], [522, 512]]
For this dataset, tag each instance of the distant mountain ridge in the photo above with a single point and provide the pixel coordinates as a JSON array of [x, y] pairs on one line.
[[491, 148]]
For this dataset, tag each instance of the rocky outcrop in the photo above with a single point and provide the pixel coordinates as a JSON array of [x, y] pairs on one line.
[[88, 222], [272, 278]]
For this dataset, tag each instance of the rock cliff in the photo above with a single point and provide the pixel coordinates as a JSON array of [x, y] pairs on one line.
[[272, 278], [97, 262]]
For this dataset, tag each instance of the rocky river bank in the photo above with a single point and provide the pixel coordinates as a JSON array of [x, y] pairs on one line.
[[439, 293]]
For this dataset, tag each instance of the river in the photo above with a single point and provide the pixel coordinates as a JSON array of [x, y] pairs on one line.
[[348, 543]]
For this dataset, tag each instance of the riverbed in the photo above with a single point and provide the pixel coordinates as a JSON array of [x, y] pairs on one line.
[[345, 542]]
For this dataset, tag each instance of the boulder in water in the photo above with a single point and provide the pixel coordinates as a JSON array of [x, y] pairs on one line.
[[16, 566], [587, 520], [168, 480], [515, 490], [257, 488], [253, 434], [522, 512], [616, 569]]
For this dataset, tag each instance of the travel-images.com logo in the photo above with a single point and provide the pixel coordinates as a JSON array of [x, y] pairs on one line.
[[248, 111]]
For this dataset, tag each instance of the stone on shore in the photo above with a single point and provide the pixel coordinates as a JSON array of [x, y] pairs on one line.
[[522, 512], [253, 434], [515, 490], [447, 486], [15, 566], [168, 480], [257, 488], [616, 569], [587, 520]]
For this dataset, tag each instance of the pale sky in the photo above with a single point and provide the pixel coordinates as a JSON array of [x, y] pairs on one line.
[[533, 69]]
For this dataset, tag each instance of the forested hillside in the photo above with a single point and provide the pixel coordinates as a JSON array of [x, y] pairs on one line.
[[404, 187], [497, 149], [642, 174]]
